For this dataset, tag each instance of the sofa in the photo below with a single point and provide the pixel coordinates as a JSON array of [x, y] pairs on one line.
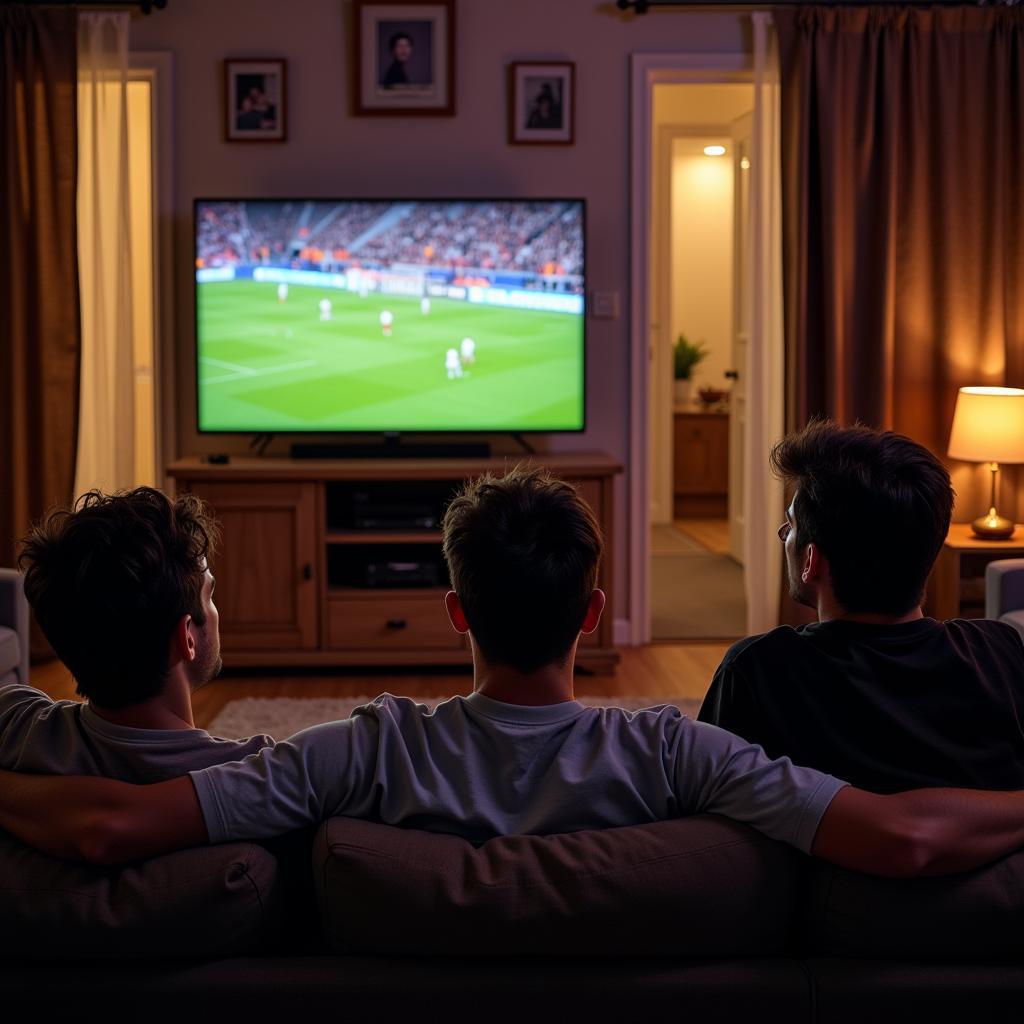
[[698, 919], [14, 636]]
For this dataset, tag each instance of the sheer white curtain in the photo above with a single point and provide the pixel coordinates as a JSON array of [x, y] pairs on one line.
[[765, 391], [106, 431]]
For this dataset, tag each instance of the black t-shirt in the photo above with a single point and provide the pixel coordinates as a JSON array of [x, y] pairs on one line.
[[887, 708]]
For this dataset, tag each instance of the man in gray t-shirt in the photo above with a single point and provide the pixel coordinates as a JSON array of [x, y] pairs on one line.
[[122, 591], [519, 755]]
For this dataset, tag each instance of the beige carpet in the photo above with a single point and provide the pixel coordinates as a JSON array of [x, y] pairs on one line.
[[667, 540], [697, 596], [281, 716]]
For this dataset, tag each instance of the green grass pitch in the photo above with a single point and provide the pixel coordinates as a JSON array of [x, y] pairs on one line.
[[267, 366]]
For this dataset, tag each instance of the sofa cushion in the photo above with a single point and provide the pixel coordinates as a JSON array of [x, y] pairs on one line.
[[10, 650], [701, 886], [209, 901], [973, 915]]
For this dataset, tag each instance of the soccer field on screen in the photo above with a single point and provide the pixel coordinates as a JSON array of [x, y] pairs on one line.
[[267, 366]]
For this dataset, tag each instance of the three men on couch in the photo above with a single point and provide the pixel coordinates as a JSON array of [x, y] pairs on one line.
[[519, 755]]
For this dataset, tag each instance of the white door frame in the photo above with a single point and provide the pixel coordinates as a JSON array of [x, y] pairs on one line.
[[646, 71], [157, 66]]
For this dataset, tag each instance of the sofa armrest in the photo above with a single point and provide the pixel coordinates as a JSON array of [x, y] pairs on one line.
[[14, 614], [1004, 587]]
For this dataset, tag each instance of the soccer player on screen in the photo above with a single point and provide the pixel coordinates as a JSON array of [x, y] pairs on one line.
[[453, 364], [424, 305], [468, 350], [386, 320], [325, 309], [282, 292]]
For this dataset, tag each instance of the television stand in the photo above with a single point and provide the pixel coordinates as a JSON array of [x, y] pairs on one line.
[[392, 448], [338, 562]]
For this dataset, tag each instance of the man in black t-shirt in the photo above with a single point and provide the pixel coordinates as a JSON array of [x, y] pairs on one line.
[[874, 692]]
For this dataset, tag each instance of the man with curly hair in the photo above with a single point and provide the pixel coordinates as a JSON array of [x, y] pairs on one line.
[[121, 589]]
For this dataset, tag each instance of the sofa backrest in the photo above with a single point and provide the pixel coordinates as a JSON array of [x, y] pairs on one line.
[[701, 886], [973, 915], [209, 901]]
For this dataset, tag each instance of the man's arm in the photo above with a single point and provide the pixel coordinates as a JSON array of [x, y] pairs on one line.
[[100, 820], [920, 832]]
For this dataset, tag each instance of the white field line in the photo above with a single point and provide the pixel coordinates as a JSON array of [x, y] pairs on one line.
[[247, 372]]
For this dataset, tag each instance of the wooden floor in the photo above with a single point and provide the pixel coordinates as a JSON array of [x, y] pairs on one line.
[[657, 670], [712, 534]]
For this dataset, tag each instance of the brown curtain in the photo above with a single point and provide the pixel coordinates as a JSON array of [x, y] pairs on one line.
[[903, 220], [39, 332]]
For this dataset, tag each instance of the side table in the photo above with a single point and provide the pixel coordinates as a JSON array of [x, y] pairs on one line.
[[956, 587]]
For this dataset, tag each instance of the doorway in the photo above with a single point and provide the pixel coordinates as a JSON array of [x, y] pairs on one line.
[[757, 498], [698, 243]]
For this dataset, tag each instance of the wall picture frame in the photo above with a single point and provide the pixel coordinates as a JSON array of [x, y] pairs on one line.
[[541, 103], [255, 100], [403, 58]]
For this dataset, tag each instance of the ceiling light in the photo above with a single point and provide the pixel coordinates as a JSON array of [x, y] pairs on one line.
[[714, 150]]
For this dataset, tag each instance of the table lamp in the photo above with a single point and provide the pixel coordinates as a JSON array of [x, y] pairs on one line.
[[988, 426]]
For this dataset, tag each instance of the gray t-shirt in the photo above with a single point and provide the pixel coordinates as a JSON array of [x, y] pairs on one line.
[[479, 768], [65, 737]]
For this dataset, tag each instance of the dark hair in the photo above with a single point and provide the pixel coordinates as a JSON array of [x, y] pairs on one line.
[[396, 38], [109, 580], [523, 551], [876, 504]]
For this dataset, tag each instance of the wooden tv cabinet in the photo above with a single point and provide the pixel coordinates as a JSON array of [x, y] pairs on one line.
[[294, 574]]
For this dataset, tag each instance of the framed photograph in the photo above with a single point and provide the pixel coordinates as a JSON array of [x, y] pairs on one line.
[[404, 59], [541, 104], [254, 100]]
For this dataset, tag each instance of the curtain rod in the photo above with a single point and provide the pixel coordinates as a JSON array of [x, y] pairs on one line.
[[145, 6], [643, 6]]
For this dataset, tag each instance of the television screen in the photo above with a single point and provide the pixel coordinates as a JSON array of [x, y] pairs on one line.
[[450, 315]]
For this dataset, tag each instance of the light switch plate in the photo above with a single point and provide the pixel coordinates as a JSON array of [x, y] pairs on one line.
[[604, 305]]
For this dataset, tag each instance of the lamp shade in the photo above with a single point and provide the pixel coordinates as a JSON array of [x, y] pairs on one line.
[[988, 425]]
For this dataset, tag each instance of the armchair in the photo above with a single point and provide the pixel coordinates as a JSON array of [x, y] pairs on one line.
[[1004, 592], [14, 640]]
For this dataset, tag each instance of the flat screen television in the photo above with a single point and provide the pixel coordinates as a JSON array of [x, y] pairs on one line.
[[451, 315]]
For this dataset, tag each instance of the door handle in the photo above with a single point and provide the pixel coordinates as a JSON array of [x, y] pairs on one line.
[[307, 571]]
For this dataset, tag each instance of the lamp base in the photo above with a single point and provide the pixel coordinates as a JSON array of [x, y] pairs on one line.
[[993, 526]]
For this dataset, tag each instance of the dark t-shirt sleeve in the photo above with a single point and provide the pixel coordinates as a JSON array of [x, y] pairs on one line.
[[730, 702]]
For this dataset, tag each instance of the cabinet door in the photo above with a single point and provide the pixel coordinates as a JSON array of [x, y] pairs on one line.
[[701, 454], [266, 565]]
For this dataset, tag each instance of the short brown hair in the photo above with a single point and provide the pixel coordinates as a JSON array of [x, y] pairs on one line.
[[110, 578], [877, 505], [523, 552]]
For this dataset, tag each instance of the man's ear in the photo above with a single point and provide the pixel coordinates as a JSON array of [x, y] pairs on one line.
[[594, 609], [183, 641], [453, 606], [815, 567]]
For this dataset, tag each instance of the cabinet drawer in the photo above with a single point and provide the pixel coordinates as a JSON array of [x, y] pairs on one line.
[[379, 621]]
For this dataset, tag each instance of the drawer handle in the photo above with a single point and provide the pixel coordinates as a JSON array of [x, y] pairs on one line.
[[307, 571], [397, 623]]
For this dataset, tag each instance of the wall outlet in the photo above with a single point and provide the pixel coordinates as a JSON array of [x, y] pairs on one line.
[[604, 305]]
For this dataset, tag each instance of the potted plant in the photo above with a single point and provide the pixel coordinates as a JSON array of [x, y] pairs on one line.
[[685, 357]]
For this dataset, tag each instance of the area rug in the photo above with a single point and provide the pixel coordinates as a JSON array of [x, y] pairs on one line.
[[281, 716], [697, 596]]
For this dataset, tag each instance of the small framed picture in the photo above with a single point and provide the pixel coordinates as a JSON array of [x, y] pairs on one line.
[[541, 104], [404, 59], [254, 100]]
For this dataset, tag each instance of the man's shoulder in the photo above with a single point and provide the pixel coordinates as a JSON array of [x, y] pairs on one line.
[[16, 694], [988, 632], [761, 646]]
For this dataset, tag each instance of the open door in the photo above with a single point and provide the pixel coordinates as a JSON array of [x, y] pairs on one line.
[[742, 129]]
